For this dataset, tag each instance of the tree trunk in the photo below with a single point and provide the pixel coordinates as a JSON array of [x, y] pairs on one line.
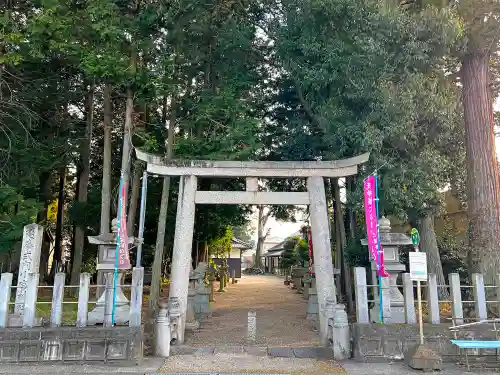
[[340, 229], [428, 244], [134, 197], [127, 140], [57, 258], [482, 168], [162, 218], [82, 187], [106, 163], [45, 197], [261, 234]]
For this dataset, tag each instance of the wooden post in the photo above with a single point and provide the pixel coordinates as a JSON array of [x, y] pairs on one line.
[[456, 298], [136, 297], [30, 301], [5, 291], [233, 277], [361, 294], [57, 300], [83, 300], [479, 296], [410, 315], [432, 299]]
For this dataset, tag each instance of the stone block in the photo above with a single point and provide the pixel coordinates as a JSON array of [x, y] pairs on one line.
[[96, 350], [9, 351], [117, 350], [30, 351], [421, 357], [312, 305], [73, 350], [259, 351], [203, 351], [284, 352], [393, 347], [229, 349], [52, 350], [313, 352]]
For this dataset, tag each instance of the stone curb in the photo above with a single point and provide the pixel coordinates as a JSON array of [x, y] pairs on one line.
[[282, 352]]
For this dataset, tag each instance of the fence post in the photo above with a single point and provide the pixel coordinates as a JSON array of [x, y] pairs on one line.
[[386, 299], [433, 299], [479, 296], [57, 300], [83, 300], [361, 294], [456, 298], [136, 297], [410, 315], [5, 291], [108, 300], [498, 291], [29, 315]]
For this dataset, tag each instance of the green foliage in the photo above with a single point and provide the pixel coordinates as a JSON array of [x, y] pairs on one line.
[[15, 213], [221, 247], [355, 254], [289, 256], [302, 251], [361, 78]]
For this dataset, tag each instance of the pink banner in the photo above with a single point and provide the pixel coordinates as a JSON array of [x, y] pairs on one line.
[[376, 251], [123, 254]]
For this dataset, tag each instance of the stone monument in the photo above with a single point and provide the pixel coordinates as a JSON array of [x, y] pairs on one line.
[[390, 243], [202, 297], [30, 263], [106, 263]]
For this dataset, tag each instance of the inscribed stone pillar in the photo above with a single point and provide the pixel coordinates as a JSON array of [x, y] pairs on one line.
[[30, 262], [323, 265], [181, 259]]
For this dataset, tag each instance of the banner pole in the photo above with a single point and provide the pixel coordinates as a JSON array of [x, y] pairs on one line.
[[381, 314], [118, 241]]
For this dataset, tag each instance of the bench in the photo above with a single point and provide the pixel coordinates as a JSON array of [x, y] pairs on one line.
[[475, 344]]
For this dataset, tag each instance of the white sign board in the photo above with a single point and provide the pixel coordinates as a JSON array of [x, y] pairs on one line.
[[418, 266]]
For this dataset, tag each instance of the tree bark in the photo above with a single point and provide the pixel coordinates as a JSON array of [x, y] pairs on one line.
[[57, 257], [134, 197], [82, 188], [162, 218], [127, 140], [428, 244], [261, 234], [482, 168], [45, 196], [341, 245], [106, 163]]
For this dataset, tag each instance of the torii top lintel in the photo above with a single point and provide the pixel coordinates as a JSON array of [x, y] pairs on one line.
[[157, 164]]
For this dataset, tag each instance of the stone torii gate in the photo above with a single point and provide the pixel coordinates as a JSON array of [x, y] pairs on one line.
[[189, 196]]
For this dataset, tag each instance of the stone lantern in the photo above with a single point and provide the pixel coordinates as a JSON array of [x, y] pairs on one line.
[[106, 264], [390, 243]]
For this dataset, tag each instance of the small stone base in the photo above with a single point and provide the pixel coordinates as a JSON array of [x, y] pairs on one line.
[[16, 321], [192, 325], [421, 357]]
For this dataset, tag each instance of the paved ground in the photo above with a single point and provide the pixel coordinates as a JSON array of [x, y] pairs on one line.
[[233, 364], [280, 312]]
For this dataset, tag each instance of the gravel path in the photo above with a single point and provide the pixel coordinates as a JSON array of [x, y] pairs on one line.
[[247, 364], [281, 316]]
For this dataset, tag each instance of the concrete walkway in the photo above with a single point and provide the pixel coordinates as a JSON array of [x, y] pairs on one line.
[[281, 316]]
